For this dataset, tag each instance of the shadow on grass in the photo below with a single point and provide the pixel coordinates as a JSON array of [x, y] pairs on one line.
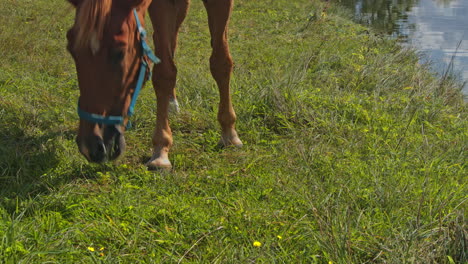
[[24, 159]]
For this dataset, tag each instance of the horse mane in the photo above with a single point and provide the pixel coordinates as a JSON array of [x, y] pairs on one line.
[[91, 19]]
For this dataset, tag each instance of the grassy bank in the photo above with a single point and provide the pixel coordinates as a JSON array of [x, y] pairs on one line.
[[353, 151]]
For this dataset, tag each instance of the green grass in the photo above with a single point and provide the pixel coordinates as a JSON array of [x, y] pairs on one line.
[[354, 153]]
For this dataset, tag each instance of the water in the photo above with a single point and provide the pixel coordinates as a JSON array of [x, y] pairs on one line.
[[437, 28]]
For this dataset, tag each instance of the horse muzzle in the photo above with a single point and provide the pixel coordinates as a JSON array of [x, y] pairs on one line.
[[99, 149]]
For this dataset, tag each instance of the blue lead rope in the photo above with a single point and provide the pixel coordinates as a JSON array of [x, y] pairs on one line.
[[144, 65], [147, 53]]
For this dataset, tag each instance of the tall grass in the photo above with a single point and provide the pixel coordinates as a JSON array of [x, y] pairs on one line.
[[355, 153]]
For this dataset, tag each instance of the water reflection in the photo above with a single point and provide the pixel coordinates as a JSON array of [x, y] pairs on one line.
[[438, 28], [384, 15]]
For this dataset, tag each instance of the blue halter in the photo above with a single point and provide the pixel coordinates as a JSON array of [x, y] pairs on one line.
[[147, 54]]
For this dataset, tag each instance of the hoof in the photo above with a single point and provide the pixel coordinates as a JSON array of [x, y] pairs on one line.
[[234, 142], [174, 106], [229, 137], [156, 163]]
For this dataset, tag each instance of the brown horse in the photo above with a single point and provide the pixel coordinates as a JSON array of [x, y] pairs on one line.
[[105, 44]]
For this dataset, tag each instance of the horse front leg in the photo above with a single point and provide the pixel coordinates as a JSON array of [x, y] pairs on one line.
[[221, 65], [166, 16], [163, 81]]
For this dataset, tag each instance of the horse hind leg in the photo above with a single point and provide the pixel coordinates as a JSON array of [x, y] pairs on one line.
[[221, 65], [181, 9]]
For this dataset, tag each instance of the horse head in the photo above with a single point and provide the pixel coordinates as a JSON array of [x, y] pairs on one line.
[[105, 45]]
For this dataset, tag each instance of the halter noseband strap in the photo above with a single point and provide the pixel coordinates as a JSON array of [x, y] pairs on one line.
[[147, 54]]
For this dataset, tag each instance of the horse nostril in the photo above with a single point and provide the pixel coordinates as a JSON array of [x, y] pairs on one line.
[[119, 146], [114, 141], [101, 148], [97, 151]]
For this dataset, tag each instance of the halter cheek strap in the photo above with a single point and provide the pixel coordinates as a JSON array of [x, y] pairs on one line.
[[147, 54]]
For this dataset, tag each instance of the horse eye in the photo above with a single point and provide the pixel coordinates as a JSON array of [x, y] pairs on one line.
[[116, 56]]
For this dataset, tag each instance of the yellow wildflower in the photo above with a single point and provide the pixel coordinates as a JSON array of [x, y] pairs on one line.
[[257, 244], [91, 249]]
